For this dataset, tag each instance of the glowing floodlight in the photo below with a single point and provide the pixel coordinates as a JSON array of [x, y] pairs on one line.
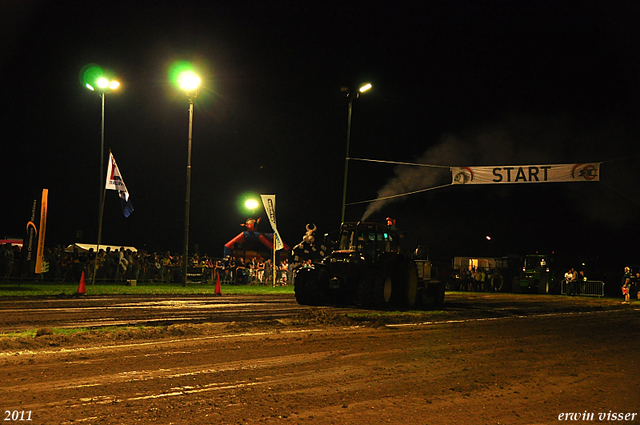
[[114, 85], [251, 204], [362, 89], [188, 81], [103, 83], [365, 88]]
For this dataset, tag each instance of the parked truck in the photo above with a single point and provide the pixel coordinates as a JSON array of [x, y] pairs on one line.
[[367, 268]]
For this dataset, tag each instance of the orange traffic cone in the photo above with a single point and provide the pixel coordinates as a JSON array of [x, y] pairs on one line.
[[217, 292], [81, 289]]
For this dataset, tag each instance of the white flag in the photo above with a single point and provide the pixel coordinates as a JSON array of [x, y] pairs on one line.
[[115, 182], [269, 202]]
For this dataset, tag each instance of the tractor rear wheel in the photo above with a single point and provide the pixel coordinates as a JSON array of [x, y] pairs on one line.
[[382, 291], [543, 286], [307, 287], [438, 295], [411, 285]]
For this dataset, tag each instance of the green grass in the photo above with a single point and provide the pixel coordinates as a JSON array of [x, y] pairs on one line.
[[40, 289], [31, 333]]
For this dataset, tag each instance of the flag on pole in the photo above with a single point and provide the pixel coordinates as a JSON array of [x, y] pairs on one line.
[[115, 182], [269, 202]]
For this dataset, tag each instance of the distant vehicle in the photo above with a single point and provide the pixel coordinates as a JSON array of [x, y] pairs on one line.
[[538, 275], [368, 269]]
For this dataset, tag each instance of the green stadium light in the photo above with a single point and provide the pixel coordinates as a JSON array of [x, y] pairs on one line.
[[185, 76], [93, 77]]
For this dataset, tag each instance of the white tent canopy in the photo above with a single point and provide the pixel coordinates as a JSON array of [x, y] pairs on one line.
[[84, 247]]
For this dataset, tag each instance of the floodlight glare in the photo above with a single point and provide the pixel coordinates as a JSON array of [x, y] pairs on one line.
[[251, 204], [89, 86], [188, 81], [365, 88], [114, 85], [103, 83]]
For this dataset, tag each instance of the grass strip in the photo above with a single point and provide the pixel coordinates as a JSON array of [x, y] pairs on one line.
[[40, 289]]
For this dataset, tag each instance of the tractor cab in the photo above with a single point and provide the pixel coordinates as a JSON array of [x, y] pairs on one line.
[[368, 239]]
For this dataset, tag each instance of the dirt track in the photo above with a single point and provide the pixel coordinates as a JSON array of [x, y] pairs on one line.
[[484, 359]]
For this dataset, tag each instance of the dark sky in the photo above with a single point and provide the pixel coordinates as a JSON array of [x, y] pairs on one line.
[[455, 83]]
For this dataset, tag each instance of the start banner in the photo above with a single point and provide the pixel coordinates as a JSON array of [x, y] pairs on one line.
[[526, 174]]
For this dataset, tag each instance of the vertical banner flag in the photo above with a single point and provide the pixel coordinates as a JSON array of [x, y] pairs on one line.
[[115, 182], [269, 202], [33, 247], [43, 230], [526, 174]]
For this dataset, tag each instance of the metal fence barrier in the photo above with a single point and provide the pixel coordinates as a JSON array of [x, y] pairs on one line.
[[590, 288]]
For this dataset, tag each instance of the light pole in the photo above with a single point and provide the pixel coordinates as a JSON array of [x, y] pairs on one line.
[[189, 82], [103, 85], [362, 89]]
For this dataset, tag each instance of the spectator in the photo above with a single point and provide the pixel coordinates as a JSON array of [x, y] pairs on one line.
[[626, 281], [111, 264], [241, 272], [633, 285], [483, 278], [260, 271], [582, 283], [123, 264], [100, 264], [571, 284], [7, 261]]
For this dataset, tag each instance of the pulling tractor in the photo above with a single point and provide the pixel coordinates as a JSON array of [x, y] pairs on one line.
[[368, 269], [538, 276]]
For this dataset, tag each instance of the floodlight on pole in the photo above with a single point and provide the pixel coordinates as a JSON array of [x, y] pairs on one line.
[[362, 89], [94, 78], [103, 85], [189, 82]]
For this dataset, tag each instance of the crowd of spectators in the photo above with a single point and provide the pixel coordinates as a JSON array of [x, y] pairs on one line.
[[254, 271], [477, 279], [125, 265]]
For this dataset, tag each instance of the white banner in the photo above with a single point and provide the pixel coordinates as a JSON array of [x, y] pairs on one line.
[[269, 202], [526, 174]]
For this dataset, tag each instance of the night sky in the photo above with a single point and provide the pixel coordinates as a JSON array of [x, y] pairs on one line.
[[455, 83]]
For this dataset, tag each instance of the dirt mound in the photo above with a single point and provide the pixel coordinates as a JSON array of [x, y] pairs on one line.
[[46, 337], [318, 316]]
